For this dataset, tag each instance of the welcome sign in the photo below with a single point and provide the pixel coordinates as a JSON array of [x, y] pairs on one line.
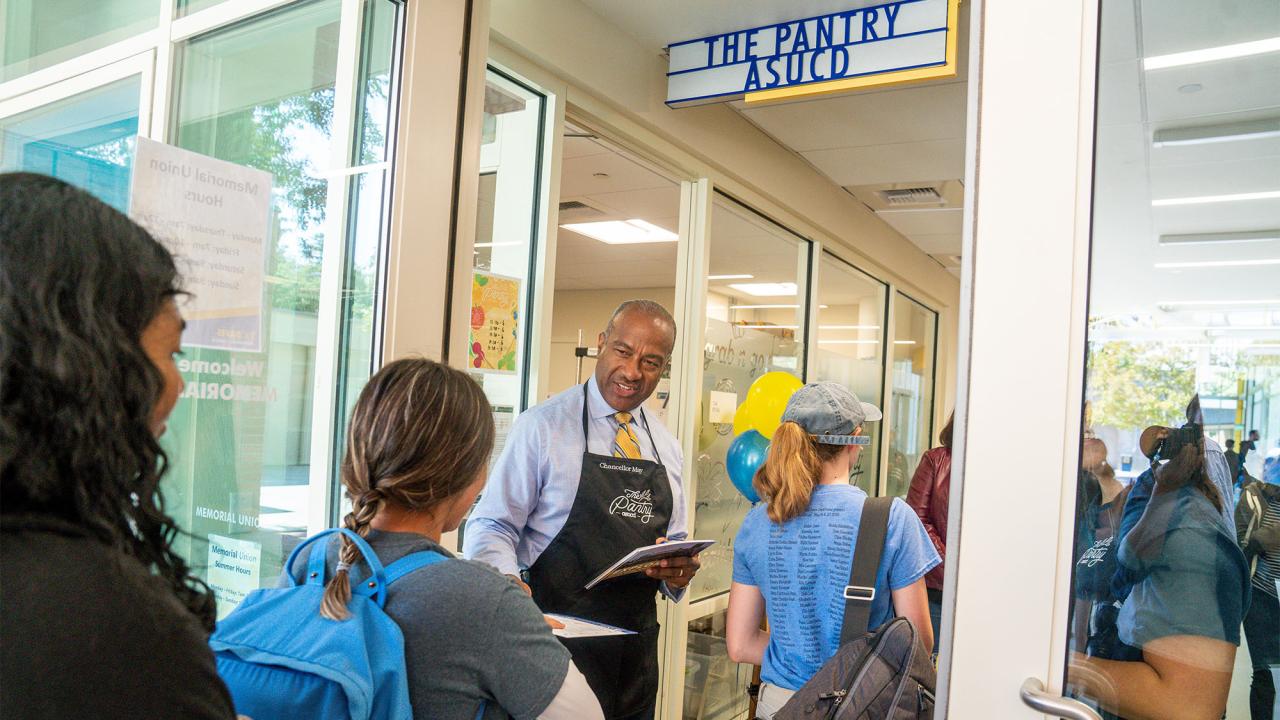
[[897, 42]]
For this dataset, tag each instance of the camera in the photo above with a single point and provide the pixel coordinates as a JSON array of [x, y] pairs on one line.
[[1171, 445]]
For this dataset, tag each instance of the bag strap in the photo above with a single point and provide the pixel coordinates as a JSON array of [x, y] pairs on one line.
[[379, 580], [861, 590], [410, 563]]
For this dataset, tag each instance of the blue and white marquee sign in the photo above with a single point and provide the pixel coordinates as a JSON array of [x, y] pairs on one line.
[[895, 42]]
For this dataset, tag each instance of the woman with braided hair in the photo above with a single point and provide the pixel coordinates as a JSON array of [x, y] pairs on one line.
[[417, 456]]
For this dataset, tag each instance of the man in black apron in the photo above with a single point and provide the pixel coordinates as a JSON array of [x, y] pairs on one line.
[[585, 478]]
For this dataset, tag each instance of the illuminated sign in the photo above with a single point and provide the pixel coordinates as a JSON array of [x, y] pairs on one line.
[[892, 43]]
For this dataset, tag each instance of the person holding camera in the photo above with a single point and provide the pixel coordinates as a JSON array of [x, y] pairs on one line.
[[1190, 587]]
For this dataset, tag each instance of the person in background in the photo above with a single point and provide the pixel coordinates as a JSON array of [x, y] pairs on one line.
[[1233, 459], [417, 455], [100, 618], [585, 478], [794, 551], [929, 496], [1250, 468], [1258, 531]]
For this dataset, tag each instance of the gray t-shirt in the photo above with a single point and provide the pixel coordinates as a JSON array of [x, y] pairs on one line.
[[470, 634]]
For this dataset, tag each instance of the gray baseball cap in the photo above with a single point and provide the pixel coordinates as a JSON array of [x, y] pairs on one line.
[[829, 412]]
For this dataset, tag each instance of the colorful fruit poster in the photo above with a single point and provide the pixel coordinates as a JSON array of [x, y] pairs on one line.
[[495, 322]]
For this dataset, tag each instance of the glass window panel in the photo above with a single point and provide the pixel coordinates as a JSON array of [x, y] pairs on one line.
[[911, 431], [367, 215], [186, 7], [242, 468], [35, 34], [1183, 337], [850, 347], [86, 140], [747, 335], [715, 688], [509, 211]]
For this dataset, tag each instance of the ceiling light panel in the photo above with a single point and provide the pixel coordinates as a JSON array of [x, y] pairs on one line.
[[623, 232], [1222, 237], [1210, 134], [766, 289], [1222, 52]]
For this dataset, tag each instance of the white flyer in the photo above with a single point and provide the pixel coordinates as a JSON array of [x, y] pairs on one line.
[[723, 406], [215, 217], [575, 627]]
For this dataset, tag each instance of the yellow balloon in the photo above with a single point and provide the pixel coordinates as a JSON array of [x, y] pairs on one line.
[[742, 420], [776, 385], [768, 398]]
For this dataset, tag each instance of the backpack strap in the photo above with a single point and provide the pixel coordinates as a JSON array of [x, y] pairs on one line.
[[410, 563], [861, 590], [316, 563], [379, 579]]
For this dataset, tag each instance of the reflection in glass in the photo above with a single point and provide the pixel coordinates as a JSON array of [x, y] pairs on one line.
[[242, 466], [86, 140], [747, 335], [914, 349], [1174, 604], [507, 228], [850, 347], [35, 34]]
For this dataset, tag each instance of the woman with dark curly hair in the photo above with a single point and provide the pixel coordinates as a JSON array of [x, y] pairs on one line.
[[99, 617]]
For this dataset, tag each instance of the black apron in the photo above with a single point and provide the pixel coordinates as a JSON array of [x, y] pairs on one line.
[[621, 504]]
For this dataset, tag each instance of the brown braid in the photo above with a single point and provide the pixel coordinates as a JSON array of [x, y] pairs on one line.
[[338, 592], [420, 434]]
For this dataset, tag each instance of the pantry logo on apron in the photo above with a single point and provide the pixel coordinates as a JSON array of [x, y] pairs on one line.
[[634, 504]]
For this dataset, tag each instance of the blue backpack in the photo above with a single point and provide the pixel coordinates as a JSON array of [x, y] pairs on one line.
[[281, 658]]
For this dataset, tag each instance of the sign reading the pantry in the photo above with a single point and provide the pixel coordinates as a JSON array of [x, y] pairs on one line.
[[897, 42], [495, 322]]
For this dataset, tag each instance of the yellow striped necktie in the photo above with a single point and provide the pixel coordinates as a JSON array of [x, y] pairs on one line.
[[625, 443]]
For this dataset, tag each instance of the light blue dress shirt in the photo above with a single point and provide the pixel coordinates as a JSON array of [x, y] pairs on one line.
[[532, 487]]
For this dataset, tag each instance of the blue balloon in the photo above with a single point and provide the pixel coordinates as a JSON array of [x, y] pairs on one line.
[[746, 455]]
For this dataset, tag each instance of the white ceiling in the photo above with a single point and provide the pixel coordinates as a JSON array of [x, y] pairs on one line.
[[907, 136], [1128, 290]]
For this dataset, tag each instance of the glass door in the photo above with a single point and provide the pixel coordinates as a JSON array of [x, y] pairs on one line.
[[1177, 529], [1118, 415]]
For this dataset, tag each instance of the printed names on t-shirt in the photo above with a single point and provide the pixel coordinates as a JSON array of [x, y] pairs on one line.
[[806, 562]]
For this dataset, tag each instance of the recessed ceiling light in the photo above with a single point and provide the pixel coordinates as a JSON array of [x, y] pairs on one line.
[[1220, 237], [904, 342], [1222, 132], [623, 232], [766, 289], [1216, 303], [848, 342], [1217, 263], [1222, 52], [731, 277], [1205, 199], [763, 307]]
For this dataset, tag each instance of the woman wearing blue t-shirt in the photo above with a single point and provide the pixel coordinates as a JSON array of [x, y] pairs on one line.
[[793, 553]]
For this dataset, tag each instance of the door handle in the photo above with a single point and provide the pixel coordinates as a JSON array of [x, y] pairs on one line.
[[1034, 695]]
